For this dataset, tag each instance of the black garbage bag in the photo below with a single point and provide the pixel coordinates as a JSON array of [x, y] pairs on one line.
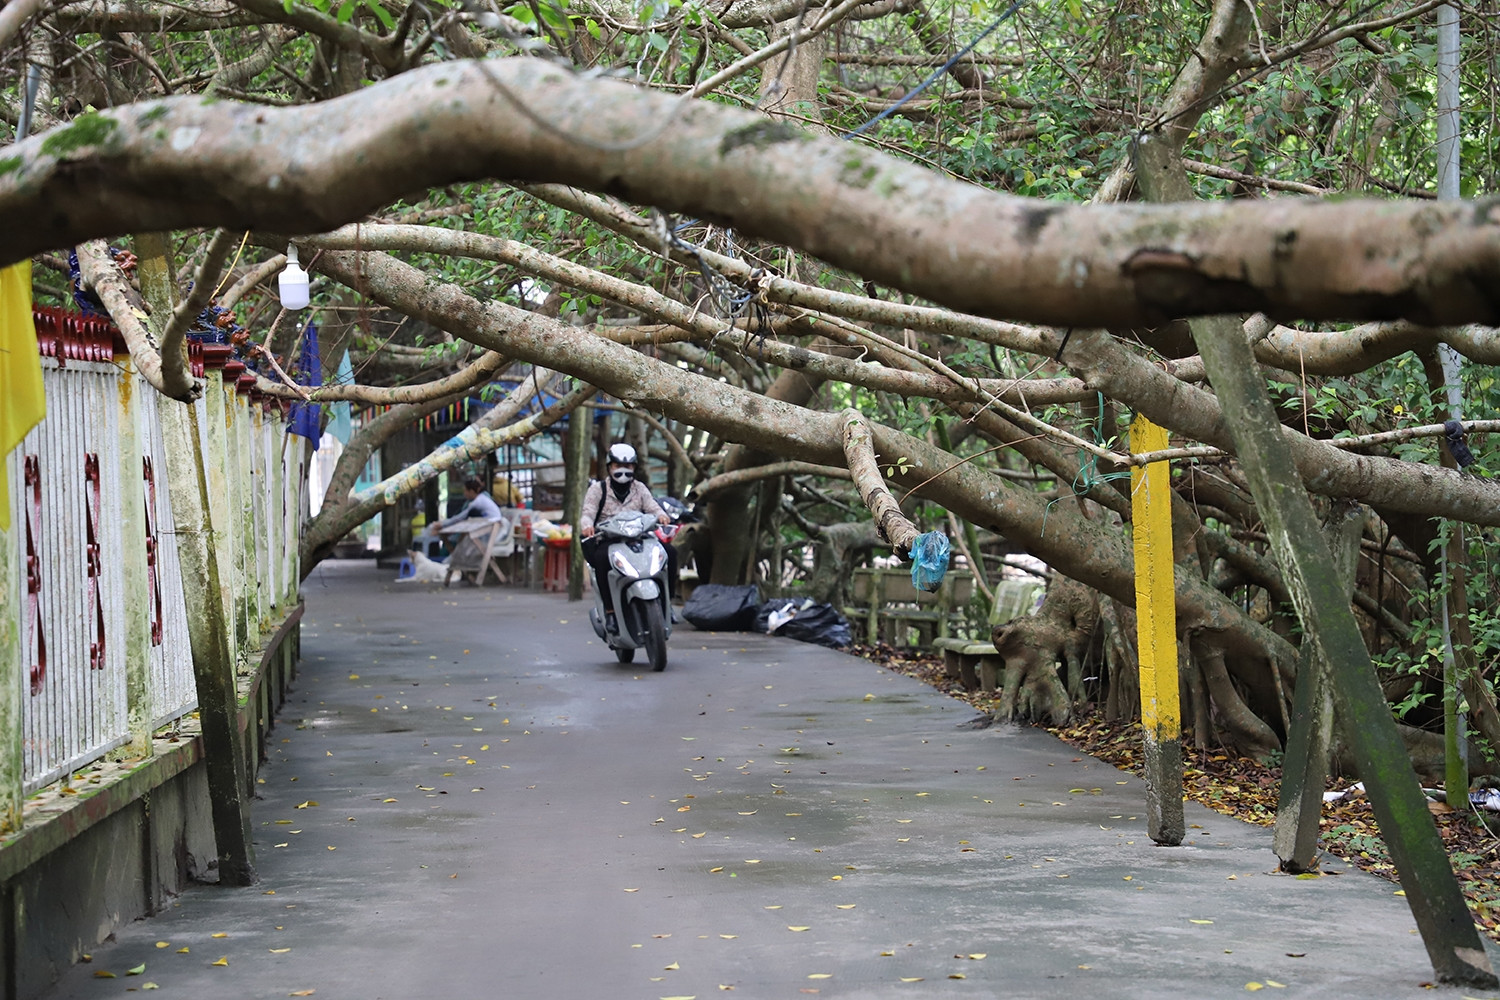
[[718, 607], [804, 621]]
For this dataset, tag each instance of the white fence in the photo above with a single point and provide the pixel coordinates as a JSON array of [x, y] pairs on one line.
[[83, 612]]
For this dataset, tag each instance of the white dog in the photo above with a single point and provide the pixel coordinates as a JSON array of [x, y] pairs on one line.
[[424, 570]]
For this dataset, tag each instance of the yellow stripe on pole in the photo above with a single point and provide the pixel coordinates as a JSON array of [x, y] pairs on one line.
[[1155, 592]]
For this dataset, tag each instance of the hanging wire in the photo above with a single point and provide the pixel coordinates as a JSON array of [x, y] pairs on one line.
[[937, 74]]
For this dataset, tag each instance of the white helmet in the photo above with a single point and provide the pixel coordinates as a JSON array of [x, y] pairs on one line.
[[621, 454]]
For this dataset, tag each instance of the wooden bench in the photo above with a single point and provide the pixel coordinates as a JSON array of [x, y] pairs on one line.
[[973, 664], [890, 608]]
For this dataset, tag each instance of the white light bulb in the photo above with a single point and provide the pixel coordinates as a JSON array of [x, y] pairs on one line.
[[293, 283]]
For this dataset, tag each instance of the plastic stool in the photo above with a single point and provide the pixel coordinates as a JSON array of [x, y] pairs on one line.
[[406, 570], [555, 569]]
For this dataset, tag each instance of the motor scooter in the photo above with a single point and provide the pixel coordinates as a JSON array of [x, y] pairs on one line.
[[637, 581]]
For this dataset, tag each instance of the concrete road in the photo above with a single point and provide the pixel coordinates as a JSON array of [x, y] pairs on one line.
[[469, 798]]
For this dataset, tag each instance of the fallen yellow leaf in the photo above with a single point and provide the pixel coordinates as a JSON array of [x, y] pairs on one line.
[[820, 975], [308, 993], [792, 928], [978, 955], [104, 974], [164, 944], [219, 934], [182, 951], [280, 951], [223, 960], [1193, 921], [844, 906], [1272, 982], [632, 890], [728, 937], [150, 986], [673, 967], [911, 979], [1252, 987], [957, 975], [713, 871]]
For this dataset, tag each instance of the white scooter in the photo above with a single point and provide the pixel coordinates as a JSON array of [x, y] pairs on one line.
[[637, 581]]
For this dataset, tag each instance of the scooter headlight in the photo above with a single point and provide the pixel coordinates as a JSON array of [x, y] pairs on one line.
[[618, 561], [658, 560]]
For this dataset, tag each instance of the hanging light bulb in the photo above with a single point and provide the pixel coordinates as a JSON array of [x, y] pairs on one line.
[[293, 282]]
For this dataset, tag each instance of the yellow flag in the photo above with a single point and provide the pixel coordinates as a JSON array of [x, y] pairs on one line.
[[22, 403]]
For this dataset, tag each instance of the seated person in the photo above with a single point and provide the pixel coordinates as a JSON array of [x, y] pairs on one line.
[[605, 499], [479, 504]]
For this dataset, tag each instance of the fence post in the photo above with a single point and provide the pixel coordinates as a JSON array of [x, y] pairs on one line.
[[11, 721], [1156, 631], [137, 638], [209, 634], [249, 553], [217, 461]]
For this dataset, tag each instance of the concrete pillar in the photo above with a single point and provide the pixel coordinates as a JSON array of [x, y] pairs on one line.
[[209, 633], [1156, 634], [215, 444], [12, 677], [137, 577]]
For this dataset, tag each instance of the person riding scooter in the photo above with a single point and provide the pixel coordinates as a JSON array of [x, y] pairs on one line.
[[606, 498]]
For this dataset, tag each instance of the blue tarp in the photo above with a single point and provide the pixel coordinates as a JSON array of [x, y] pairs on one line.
[[306, 418]]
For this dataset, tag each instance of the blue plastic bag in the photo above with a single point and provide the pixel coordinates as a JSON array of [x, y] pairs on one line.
[[929, 560]]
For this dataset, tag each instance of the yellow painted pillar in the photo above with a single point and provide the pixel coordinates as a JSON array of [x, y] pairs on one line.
[[1156, 633]]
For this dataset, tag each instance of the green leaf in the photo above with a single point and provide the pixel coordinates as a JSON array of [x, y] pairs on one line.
[[346, 12], [381, 14]]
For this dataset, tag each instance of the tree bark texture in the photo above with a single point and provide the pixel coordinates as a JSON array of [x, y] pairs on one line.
[[184, 162]]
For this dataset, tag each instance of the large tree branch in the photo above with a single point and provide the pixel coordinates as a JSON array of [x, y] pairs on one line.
[[177, 163], [1349, 352], [1121, 374], [114, 16], [174, 366], [704, 326], [739, 477], [475, 374], [859, 452], [13, 15], [100, 273]]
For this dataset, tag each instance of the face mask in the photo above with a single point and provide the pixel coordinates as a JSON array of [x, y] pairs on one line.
[[622, 475]]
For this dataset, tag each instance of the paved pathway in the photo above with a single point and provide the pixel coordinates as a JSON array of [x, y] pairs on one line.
[[469, 798]]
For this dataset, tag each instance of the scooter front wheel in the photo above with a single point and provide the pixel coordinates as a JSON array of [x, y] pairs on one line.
[[656, 636]]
